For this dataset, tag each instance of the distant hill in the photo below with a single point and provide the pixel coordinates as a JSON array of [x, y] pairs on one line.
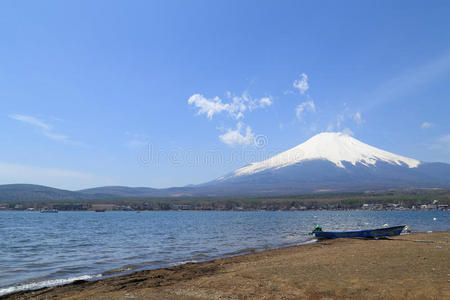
[[31, 192], [119, 191]]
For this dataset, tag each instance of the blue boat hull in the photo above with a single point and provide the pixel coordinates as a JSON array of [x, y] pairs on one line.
[[374, 233]]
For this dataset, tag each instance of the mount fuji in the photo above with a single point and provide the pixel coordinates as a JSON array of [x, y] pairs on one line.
[[333, 162], [328, 162], [336, 148]]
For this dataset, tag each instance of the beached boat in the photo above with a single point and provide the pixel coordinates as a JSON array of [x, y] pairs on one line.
[[372, 233]]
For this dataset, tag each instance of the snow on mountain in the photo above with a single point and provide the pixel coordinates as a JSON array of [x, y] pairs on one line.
[[335, 147]]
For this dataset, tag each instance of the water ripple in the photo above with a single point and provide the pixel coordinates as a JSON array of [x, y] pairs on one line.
[[39, 250]]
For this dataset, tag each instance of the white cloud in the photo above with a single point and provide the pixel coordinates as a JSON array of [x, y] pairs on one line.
[[358, 118], [257, 103], [302, 83], [235, 137], [235, 108], [304, 106], [239, 115], [208, 106], [266, 101], [238, 105], [60, 178], [426, 125]]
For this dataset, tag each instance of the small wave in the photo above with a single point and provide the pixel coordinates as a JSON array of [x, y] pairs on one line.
[[121, 270], [183, 262], [200, 256], [243, 251], [294, 236], [155, 262], [311, 241], [45, 283]]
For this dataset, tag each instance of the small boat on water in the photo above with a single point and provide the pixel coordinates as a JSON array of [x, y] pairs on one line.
[[49, 210], [372, 233]]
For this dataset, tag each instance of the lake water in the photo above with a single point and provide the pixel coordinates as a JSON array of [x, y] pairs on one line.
[[39, 250]]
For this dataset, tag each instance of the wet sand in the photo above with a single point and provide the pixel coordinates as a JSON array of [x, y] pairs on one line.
[[415, 266]]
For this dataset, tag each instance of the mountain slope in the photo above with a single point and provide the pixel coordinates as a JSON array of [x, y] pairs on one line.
[[334, 147], [332, 162]]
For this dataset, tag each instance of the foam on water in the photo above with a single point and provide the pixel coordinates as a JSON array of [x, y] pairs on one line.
[[45, 283]]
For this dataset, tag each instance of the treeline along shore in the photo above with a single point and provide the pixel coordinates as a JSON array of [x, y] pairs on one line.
[[390, 200]]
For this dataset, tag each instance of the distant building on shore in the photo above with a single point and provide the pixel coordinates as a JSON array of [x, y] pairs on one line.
[[182, 207], [370, 206], [104, 207]]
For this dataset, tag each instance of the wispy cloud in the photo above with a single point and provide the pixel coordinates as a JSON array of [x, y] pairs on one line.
[[408, 82], [445, 139], [307, 106], [346, 118], [348, 131], [136, 140], [442, 143], [234, 137], [426, 125], [304, 106], [358, 118], [32, 121], [302, 83], [57, 137], [339, 119], [46, 129], [61, 178]]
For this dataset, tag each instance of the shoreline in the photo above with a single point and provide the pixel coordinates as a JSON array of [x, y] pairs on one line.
[[240, 210], [58, 282], [408, 266]]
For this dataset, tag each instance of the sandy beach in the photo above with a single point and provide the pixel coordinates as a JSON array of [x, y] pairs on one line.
[[414, 266]]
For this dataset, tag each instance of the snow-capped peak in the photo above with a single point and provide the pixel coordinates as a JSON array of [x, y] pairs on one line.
[[335, 147]]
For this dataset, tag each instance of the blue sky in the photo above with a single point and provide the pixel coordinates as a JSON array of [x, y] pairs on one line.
[[168, 93]]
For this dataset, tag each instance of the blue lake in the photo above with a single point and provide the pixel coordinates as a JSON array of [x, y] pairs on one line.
[[39, 250]]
